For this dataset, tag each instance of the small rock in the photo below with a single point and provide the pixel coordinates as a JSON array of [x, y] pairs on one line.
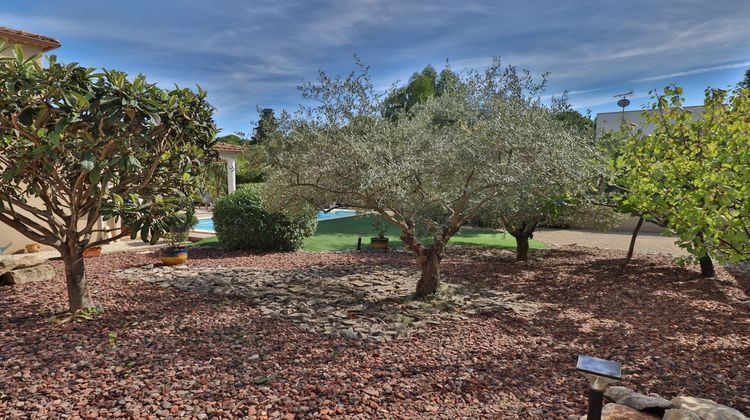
[[616, 393], [680, 414], [371, 391], [254, 357], [645, 402], [707, 409], [10, 263], [614, 411], [37, 273]]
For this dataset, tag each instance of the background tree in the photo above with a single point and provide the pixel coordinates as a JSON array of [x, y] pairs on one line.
[[267, 127], [745, 82], [238, 138], [565, 169], [421, 86], [692, 173], [77, 146], [563, 111], [429, 171], [575, 119], [213, 178]]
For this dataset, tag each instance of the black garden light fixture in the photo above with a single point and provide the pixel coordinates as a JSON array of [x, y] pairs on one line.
[[600, 373]]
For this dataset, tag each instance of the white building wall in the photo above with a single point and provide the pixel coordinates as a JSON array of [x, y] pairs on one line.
[[612, 121]]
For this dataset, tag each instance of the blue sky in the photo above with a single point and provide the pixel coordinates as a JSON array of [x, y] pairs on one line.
[[255, 53]]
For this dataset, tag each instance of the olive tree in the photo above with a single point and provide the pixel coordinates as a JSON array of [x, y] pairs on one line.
[[564, 167], [77, 146], [692, 173], [428, 171]]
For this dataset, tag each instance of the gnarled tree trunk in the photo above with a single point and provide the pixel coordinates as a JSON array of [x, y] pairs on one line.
[[429, 281], [522, 232], [75, 277], [522, 247]]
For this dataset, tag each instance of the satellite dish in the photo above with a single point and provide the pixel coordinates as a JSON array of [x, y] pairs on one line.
[[622, 103]]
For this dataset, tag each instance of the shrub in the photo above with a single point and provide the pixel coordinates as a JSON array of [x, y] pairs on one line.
[[243, 221]]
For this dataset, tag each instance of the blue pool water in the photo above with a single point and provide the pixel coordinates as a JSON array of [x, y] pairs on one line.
[[207, 224]]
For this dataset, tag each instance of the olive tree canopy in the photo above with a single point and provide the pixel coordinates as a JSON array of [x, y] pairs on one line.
[[428, 171], [559, 180]]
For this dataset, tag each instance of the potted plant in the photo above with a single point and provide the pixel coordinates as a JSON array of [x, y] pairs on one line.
[[380, 241], [176, 253]]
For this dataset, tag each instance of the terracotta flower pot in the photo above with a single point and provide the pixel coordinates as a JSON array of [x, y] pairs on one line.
[[379, 243], [31, 248], [174, 256], [92, 252]]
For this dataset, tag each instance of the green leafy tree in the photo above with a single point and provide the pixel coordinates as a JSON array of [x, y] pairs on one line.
[[692, 173], [77, 146], [575, 119], [236, 138], [421, 86], [430, 171], [745, 82], [267, 128]]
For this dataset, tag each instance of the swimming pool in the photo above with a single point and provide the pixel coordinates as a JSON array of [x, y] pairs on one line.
[[206, 224]]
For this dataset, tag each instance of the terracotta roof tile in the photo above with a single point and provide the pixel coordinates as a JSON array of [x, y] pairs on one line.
[[227, 147], [27, 38]]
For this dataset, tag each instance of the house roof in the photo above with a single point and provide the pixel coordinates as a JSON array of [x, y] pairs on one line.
[[227, 147], [27, 38]]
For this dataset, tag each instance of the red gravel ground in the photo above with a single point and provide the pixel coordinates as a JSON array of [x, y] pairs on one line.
[[185, 354]]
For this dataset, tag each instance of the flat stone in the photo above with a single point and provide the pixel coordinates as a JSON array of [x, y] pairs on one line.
[[614, 411], [37, 273], [616, 393], [645, 402], [10, 263], [334, 300], [680, 414], [707, 409]]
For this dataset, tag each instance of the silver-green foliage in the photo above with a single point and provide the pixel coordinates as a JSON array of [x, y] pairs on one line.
[[432, 169], [557, 180]]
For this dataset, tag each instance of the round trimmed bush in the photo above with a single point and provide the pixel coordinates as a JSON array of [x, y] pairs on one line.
[[242, 221]]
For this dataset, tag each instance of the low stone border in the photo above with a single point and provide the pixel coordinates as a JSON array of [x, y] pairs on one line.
[[632, 405]]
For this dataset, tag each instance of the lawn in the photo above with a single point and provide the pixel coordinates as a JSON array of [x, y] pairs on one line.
[[342, 234]]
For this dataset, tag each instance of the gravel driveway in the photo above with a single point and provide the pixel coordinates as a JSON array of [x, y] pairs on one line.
[[647, 243]]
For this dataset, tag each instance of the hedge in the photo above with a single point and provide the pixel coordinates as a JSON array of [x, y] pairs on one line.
[[242, 221]]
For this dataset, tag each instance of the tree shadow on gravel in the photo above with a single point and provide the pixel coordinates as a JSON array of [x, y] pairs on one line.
[[673, 332], [592, 286]]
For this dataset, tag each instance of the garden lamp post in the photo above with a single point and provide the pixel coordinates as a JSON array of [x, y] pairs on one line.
[[600, 374]]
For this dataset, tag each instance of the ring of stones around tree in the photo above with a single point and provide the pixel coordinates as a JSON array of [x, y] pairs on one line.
[[355, 302]]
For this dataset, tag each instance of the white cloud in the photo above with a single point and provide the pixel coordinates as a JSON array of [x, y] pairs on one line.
[[249, 53], [693, 71]]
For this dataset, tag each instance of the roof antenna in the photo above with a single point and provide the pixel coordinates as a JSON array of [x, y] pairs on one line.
[[623, 102]]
